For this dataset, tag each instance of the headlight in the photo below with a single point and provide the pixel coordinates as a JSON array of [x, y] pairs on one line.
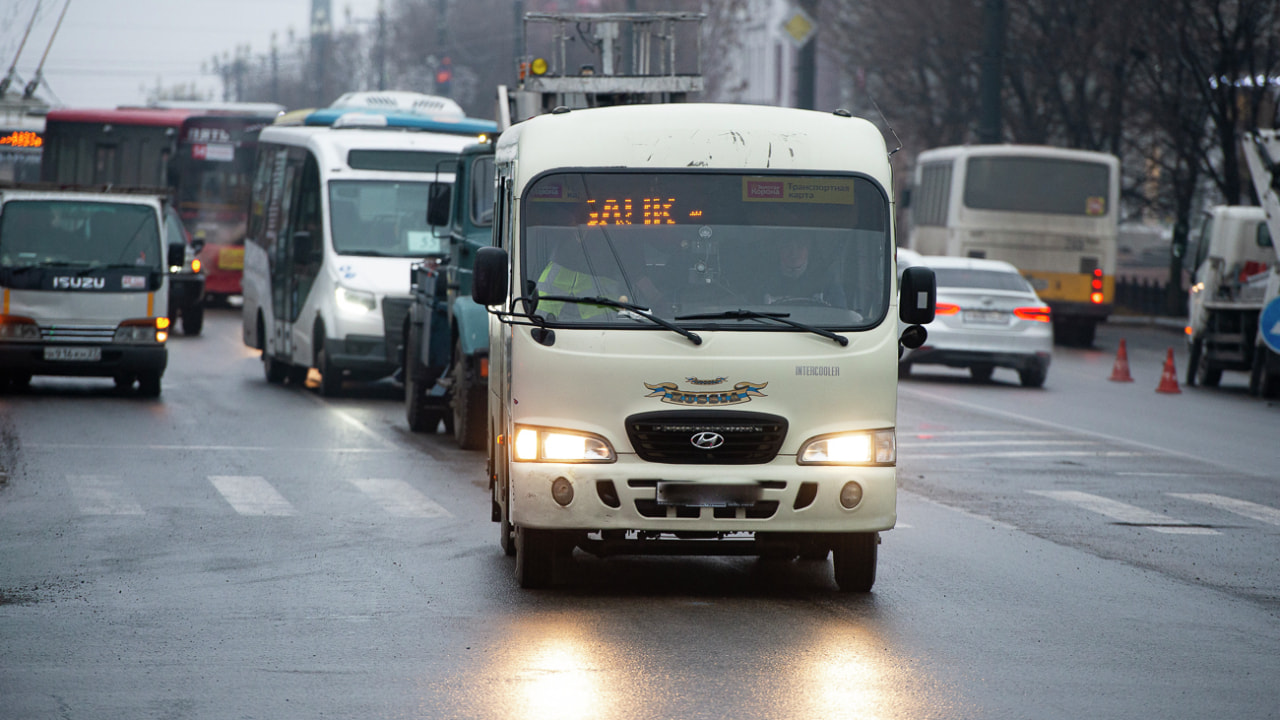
[[17, 327], [552, 445], [875, 447], [142, 330], [356, 302]]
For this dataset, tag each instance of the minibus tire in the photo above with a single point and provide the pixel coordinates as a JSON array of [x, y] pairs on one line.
[[535, 557], [330, 376], [854, 559], [1193, 362]]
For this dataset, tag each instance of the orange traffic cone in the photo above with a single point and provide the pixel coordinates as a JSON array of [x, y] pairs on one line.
[[1120, 371], [1169, 380]]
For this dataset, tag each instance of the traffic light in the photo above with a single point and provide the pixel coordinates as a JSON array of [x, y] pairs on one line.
[[444, 76]]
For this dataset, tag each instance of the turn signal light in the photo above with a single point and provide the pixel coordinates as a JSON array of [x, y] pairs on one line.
[[946, 309]]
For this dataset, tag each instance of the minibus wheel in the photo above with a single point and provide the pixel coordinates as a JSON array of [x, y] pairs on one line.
[[149, 384], [330, 376], [535, 557], [192, 319], [854, 560]]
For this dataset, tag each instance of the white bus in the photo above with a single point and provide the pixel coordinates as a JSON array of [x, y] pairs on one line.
[[338, 215], [693, 338], [1051, 212]]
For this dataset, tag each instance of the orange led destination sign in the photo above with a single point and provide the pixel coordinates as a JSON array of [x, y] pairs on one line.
[[653, 211], [22, 138]]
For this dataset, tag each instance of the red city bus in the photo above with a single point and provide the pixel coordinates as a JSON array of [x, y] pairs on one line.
[[203, 152], [213, 175]]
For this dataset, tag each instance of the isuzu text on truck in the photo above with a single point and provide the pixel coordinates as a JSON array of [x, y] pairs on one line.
[[693, 336]]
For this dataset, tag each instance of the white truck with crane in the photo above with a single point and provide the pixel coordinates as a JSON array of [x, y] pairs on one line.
[[1262, 153]]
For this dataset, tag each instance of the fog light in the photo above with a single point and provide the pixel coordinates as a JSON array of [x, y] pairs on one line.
[[562, 491], [851, 495]]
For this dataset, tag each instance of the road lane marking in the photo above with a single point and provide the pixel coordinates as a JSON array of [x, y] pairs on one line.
[[1026, 454], [1125, 513], [990, 443], [217, 448], [252, 495], [399, 498], [1253, 511], [102, 495]]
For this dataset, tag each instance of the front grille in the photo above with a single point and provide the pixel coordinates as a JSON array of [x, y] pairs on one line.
[[394, 312], [749, 438], [78, 333]]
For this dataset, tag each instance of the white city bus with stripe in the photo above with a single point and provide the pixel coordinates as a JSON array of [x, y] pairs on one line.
[[338, 216]]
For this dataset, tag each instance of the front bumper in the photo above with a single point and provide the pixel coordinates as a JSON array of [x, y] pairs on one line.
[[117, 359], [623, 496], [363, 356]]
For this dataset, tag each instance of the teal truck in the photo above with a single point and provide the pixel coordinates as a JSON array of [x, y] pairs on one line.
[[446, 363]]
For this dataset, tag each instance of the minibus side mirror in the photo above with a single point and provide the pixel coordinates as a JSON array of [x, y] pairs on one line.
[[917, 296], [197, 245], [177, 254], [303, 247], [489, 276], [438, 196]]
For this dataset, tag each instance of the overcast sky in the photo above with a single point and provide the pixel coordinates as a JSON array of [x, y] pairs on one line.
[[111, 52]]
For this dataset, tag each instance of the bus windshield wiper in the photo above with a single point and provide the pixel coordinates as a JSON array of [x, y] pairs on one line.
[[636, 309], [368, 253], [779, 317]]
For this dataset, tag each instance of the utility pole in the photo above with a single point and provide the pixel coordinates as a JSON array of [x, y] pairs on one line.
[[320, 27], [807, 64], [990, 123], [382, 45]]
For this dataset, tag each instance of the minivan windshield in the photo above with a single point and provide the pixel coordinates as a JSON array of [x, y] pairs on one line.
[[79, 233], [707, 249], [381, 218]]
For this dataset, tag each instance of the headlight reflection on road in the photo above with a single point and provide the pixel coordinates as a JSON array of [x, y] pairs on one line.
[[558, 678]]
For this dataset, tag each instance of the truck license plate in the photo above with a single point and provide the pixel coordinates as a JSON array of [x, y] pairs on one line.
[[81, 354]]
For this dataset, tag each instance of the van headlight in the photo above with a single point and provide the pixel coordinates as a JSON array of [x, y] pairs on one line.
[[538, 444], [872, 447], [355, 302]]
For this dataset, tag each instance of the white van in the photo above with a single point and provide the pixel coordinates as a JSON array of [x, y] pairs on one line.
[[85, 282], [338, 216], [693, 336]]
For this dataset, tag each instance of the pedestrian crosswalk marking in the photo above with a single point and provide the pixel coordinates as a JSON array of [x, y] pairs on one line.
[[252, 495], [399, 498], [102, 495], [1125, 513], [1254, 511]]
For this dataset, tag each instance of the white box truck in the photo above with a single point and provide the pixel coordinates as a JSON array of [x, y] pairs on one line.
[[85, 282]]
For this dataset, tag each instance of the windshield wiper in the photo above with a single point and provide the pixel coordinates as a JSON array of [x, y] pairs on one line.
[[780, 317], [641, 311], [367, 253]]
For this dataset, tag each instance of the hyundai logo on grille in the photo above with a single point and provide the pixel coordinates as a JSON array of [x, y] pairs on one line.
[[707, 440]]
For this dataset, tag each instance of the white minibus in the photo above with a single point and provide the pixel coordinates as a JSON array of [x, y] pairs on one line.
[[337, 218], [693, 336]]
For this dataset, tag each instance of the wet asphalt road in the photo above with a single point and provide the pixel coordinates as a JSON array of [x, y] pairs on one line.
[[238, 550]]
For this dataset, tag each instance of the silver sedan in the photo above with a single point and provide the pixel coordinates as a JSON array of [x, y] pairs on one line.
[[988, 317]]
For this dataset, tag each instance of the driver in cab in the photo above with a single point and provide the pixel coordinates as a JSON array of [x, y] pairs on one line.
[[795, 280]]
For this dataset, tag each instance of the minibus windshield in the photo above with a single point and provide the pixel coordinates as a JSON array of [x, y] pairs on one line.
[[380, 218], [724, 247]]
